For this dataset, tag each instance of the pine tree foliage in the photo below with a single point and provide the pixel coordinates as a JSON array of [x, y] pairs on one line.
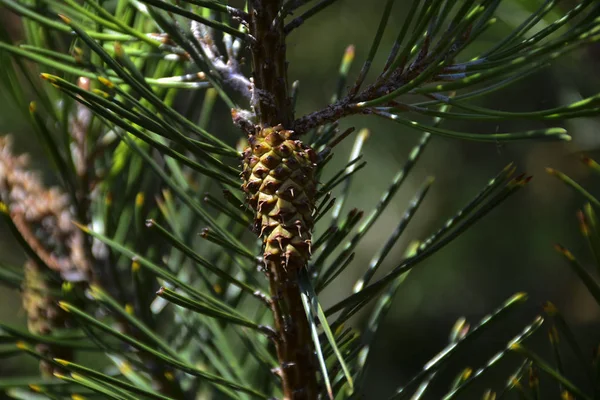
[[190, 265], [560, 332]]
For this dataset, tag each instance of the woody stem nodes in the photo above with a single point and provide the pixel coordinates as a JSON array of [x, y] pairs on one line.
[[271, 99], [279, 181]]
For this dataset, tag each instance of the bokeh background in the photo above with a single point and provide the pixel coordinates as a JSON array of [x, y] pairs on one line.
[[509, 251]]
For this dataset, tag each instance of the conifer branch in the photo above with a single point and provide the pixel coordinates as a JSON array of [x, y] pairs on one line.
[[284, 203], [165, 267]]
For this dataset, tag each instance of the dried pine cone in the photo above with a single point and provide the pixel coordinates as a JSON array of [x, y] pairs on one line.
[[43, 313], [279, 181], [43, 217]]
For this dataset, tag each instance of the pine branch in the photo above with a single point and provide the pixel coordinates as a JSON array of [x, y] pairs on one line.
[[123, 108], [284, 204]]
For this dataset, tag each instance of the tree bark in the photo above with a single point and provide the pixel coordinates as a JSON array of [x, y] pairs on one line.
[[271, 101]]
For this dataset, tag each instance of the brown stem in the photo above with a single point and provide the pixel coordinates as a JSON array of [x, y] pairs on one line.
[[293, 342], [382, 86], [294, 346], [328, 114], [272, 102]]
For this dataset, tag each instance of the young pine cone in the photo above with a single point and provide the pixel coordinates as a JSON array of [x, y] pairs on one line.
[[279, 181]]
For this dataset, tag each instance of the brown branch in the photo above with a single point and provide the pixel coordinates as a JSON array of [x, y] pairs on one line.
[[329, 114], [295, 351], [271, 100], [286, 234], [386, 82], [348, 105]]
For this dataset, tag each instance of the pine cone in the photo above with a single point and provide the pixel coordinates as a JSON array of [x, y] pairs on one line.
[[43, 217], [44, 316], [279, 181]]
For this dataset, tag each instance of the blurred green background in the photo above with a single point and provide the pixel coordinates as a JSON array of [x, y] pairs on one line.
[[507, 252]]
